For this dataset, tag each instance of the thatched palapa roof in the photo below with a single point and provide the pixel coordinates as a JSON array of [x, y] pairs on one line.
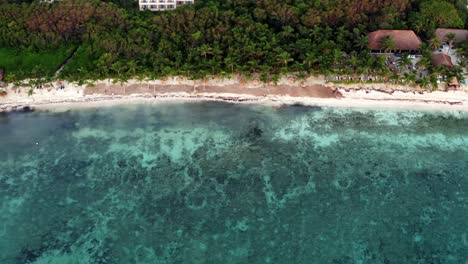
[[441, 59], [403, 39], [454, 81], [460, 34]]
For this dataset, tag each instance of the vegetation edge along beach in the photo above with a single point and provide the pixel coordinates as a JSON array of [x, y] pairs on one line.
[[290, 91]]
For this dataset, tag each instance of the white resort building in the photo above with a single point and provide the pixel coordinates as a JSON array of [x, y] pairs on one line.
[[161, 5]]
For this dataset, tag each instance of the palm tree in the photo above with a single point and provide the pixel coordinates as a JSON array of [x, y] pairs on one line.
[[362, 42], [418, 27], [253, 65], [387, 43], [132, 67], [424, 82], [104, 63], [462, 63], [214, 64], [117, 68], [229, 62], [10, 77], [450, 38], [434, 43], [265, 69], [410, 77], [275, 78], [301, 76], [363, 69], [205, 50], [30, 91], [405, 61], [378, 65], [354, 61], [310, 59], [423, 63], [433, 81], [457, 71], [395, 77], [285, 58], [217, 52], [32, 84], [287, 33]]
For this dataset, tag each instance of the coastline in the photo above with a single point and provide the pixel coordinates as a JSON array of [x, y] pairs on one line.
[[312, 92]]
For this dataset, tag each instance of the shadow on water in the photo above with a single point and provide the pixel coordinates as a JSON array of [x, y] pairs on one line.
[[5, 115], [298, 108]]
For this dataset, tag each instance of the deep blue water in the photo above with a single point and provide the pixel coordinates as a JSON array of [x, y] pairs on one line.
[[221, 183]]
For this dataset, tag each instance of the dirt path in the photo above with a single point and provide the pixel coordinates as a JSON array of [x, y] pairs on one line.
[[60, 68]]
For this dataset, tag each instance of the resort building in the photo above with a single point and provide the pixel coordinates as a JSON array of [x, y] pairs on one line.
[[394, 41], [162, 5], [453, 84], [440, 59], [449, 38], [460, 35]]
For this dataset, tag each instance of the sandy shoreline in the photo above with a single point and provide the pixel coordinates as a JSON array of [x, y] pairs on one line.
[[287, 92]]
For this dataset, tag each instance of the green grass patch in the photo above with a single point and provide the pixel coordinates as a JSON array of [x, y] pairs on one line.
[[21, 64], [81, 66]]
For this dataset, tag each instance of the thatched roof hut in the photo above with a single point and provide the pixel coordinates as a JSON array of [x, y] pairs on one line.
[[460, 34], [453, 84], [441, 59], [404, 40], [454, 81]]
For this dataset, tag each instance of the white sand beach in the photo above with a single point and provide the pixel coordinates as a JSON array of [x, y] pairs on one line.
[[313, 92]]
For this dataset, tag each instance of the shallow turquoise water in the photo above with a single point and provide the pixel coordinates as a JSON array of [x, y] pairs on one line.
[[220, 183]]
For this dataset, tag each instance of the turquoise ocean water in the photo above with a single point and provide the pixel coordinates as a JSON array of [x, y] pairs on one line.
[[221, 183]]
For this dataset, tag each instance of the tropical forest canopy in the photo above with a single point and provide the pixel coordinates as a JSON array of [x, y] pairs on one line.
[[114, 39]]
